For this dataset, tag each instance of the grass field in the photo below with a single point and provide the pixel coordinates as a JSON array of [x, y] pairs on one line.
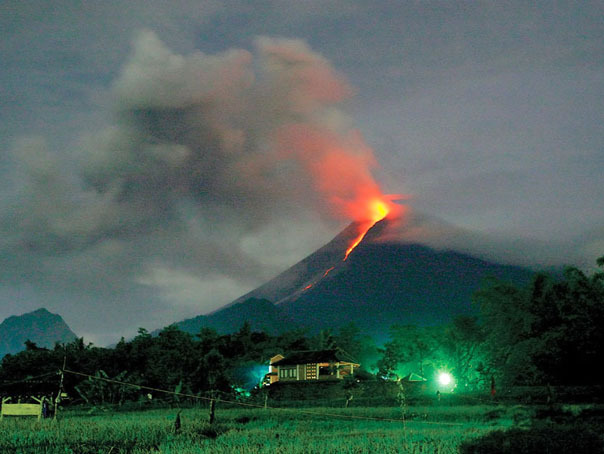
[[310, 430]]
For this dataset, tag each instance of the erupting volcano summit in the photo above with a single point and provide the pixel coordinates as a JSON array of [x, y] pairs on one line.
[[377, 209]]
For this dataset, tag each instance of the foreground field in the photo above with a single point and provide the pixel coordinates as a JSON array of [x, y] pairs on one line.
[[318, 430]]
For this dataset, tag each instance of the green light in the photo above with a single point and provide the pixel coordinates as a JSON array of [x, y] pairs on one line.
[[444, 378]]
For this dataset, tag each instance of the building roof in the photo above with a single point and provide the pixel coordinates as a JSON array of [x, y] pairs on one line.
[[314, 356], [413, 377]]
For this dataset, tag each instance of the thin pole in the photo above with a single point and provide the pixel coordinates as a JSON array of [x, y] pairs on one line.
[[212, 410], [62, 373]]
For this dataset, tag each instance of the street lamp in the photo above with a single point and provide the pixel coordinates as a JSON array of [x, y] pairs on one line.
[[445, 378]]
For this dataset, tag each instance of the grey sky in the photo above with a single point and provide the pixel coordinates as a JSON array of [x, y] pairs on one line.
[[488, 114]]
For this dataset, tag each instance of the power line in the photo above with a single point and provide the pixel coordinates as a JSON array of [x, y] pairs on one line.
[[250, 405], [34, 379]]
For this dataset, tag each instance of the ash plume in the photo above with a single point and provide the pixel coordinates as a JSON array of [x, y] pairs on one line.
[[205, 158]]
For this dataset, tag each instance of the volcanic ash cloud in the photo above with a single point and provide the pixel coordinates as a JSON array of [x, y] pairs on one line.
[[206, 154]]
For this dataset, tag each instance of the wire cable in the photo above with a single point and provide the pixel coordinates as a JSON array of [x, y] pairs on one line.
[[250, 405]]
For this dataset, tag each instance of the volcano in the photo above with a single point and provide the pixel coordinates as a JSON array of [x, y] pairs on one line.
[[382, 282]]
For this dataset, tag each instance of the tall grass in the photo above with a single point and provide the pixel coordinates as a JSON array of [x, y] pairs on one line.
[[426, 430]]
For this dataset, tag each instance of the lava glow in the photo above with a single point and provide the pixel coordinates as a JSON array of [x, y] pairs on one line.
[[377, 209], [324, 274], [327, 272], [339, 164]]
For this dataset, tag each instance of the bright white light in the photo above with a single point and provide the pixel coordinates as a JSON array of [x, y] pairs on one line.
[[445, 378]]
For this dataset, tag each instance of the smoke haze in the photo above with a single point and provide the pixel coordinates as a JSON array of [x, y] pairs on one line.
[[206, 154]]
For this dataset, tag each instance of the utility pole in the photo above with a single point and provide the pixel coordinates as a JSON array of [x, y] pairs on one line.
[[212, 409], [58, 398]]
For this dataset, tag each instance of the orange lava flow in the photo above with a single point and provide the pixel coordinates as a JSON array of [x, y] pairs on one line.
[[327, 272], [324, 274], [378, 210]]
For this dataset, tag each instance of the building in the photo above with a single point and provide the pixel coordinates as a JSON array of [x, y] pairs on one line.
[[311, 365], [414, 383]]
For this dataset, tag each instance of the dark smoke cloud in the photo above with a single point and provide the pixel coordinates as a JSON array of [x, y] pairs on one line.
[[191, 182]]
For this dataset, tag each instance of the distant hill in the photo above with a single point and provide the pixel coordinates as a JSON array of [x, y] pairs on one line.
[[40, 326], [381, 283]]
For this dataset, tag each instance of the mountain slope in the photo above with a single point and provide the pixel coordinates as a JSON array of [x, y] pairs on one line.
[[385, 284], [295, 279], [40, 326], [260, 313], [381, 283]]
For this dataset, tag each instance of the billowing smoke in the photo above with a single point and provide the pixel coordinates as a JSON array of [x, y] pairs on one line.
[[206, 157]]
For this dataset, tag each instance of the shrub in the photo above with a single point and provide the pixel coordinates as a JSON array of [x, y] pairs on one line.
[[550, 439]]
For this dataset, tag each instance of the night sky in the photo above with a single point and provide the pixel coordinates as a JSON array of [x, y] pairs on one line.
[[159, 159]]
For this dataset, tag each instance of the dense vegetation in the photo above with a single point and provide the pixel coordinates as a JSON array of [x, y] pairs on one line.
[[532, 331], [521, 337]]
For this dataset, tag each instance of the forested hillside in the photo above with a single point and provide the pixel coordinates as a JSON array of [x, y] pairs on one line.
[[521, 336]]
